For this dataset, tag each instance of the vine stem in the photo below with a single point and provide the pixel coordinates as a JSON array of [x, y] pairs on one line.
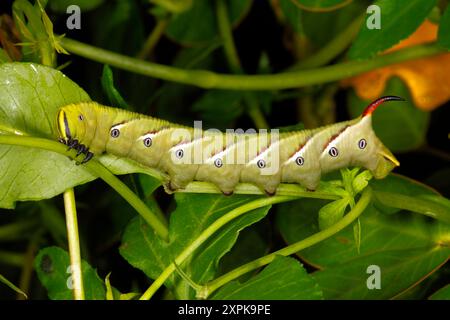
[[360, 206], [153, 39], [285, 80], [223, 22], [98, 170], [74, 244], [208, 232]]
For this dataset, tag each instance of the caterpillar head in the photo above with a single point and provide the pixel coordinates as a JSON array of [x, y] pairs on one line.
[[75, 120]]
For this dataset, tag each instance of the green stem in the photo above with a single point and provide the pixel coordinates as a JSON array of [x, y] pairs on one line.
[[74, 244], [292, 249], [28, 263], [254, 111], [284, 189], [17, 230], [333, 48], [227, 37], [12, 258], [153, 39], [285, 80], [205, 235], [234, 62], [414, 204], [97, 170]]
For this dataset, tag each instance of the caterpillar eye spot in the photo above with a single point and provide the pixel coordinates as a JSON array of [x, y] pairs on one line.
[[261, 164], [300, 161], [115, 133], [333, 152], [362, 143], [148, 142], [179, 154], [218, 163]]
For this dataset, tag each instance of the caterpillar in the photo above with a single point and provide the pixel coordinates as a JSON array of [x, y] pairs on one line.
[[225, 159]]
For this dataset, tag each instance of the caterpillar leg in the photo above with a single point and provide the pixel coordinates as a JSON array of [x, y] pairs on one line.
[[88, 157], [228, 193], [81, 149]]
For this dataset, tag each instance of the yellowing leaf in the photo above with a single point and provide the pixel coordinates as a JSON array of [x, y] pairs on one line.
[[428, 79]]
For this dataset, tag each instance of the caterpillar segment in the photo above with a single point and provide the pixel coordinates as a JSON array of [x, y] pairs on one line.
[[226, 159]]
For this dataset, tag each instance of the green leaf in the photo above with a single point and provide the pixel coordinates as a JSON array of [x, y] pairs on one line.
[[441, 294], [251, 244], [407, 247], [321, 5], [283, 279], [52, 265], [400, 270], [444, 29], [61, 6], [114, 97], [361, 181], [198, 24], [194, 213], [332, 213], [400, 126], [399, 19], [12, 286]]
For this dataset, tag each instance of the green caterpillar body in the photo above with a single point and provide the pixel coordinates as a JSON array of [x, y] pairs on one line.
[[225, 159]]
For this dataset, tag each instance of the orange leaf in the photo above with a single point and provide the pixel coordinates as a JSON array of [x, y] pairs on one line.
[[428, 79]]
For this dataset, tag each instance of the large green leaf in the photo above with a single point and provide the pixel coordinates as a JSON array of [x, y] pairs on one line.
[[444, 29], [400, 126], [251, 244], [399, 270], [399, 19], [406, 246], [52, 265], [198, 24], [283, 279], [144, 250]]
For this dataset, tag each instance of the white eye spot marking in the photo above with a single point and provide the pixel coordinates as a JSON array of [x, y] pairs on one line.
[[333, 152], [362, 143], [261, 163], [179, 153], [115, 133], [80, 117], [147, 142], [300, 161], [218, 163]]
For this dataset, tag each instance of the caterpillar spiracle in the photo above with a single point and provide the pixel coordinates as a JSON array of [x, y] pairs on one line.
[[225, 159]]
